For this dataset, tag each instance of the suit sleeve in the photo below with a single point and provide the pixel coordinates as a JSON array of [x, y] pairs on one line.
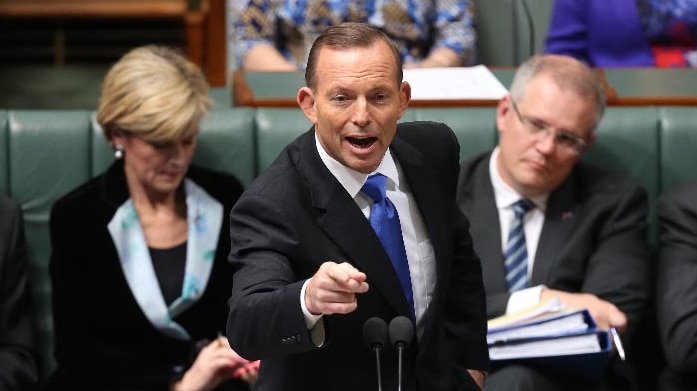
[[17, 366], [618, 270], [265, 304], [466, 303], [74, 334], [677, 268], [466, 321]]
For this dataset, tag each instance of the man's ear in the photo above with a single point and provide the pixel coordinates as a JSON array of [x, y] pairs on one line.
[[590, 140], [503, 107], [404, 97], [306, 101]]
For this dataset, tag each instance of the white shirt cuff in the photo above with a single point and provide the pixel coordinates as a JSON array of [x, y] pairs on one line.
[[314, 323], [524, 298]]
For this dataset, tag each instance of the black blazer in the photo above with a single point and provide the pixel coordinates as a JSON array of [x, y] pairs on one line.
[[676, 296], [296, 216], [593, 239], [18, 369], [103, 339]]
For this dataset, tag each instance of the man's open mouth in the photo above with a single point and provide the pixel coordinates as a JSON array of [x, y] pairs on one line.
[[362, 142]]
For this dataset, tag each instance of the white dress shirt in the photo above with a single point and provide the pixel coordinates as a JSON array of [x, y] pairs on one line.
[[533, 221], [417, 243]]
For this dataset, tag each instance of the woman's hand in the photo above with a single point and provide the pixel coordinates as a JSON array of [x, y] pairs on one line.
[[215, 363]]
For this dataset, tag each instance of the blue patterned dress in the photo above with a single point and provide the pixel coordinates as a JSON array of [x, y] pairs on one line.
[[416, 26]]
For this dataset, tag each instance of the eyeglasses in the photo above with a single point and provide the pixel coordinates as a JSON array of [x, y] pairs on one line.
[[540, 131]]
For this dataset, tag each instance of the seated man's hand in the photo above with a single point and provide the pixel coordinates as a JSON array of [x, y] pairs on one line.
[[606, 314], [333, 289]]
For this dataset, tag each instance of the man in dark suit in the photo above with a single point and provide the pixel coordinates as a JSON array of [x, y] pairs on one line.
[[676, 295], [17, 361], [583, 229], [310, 270]]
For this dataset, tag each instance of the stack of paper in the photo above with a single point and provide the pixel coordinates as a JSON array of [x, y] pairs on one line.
[[549, 335], [476, 82]]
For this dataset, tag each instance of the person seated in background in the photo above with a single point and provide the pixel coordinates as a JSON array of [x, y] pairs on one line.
[[583, 235], [139, 254], [276, 35], [625, 33], [676, 291], [18, 369]]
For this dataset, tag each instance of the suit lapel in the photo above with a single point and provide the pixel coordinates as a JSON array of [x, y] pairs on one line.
[[345, 225], [424, 188], [480, 208], [559, 221]]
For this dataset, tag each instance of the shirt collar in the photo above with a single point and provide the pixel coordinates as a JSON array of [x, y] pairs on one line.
[[351, 179], [504, 194]]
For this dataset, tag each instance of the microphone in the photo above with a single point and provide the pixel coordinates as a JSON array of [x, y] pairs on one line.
[[375, 337], [401, 334]]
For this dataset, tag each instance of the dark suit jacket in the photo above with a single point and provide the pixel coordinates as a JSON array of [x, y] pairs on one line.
[[103, 339], [593, 239], [296, 216], [677, 286], [17, 361]]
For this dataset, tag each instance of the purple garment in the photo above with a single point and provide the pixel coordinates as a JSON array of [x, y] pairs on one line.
[[602, 33]]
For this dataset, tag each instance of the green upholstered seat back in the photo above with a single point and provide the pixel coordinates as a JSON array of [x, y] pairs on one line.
[[506, 34], [678, 146], [276, 128], [48, 156], [628, 143]]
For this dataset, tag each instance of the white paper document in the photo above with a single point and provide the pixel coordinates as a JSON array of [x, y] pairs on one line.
[[475, 82], [578, 344], [557, 324]]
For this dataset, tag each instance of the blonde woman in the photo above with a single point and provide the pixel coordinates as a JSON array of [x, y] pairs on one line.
[[138, 265]]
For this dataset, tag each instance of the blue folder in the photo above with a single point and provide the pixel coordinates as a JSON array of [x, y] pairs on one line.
[[587, 367]]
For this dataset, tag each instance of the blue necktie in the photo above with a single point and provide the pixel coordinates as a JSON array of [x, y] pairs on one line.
[[516, 256], [385, 222]]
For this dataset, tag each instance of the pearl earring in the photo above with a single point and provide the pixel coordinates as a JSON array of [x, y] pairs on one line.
[[118, 152]]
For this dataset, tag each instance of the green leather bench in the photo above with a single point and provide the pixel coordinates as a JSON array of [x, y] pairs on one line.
[[45, 154]]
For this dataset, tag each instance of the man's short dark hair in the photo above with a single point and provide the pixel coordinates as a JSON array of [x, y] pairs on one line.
[[349, 36]]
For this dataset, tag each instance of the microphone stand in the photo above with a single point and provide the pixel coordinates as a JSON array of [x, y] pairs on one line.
[[376, 347], [400, 349], [375, 336], [401, 331]]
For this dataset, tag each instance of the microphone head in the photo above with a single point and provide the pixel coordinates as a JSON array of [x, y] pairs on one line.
[[375, 332], [401, 331]]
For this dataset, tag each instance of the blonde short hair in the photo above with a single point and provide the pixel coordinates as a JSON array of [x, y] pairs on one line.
[[155, 93]]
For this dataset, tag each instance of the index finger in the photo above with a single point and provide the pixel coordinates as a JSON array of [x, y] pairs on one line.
[[347, 276]]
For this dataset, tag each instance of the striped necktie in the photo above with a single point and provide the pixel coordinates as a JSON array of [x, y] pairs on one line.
[[385, 222], [516, 256]]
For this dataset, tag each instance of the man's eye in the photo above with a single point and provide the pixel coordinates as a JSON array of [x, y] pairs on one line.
[[538, 126], [340, 98], [566, 139], [380, 97]]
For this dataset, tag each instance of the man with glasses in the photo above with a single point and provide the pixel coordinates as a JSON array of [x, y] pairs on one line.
[[547, 224]]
